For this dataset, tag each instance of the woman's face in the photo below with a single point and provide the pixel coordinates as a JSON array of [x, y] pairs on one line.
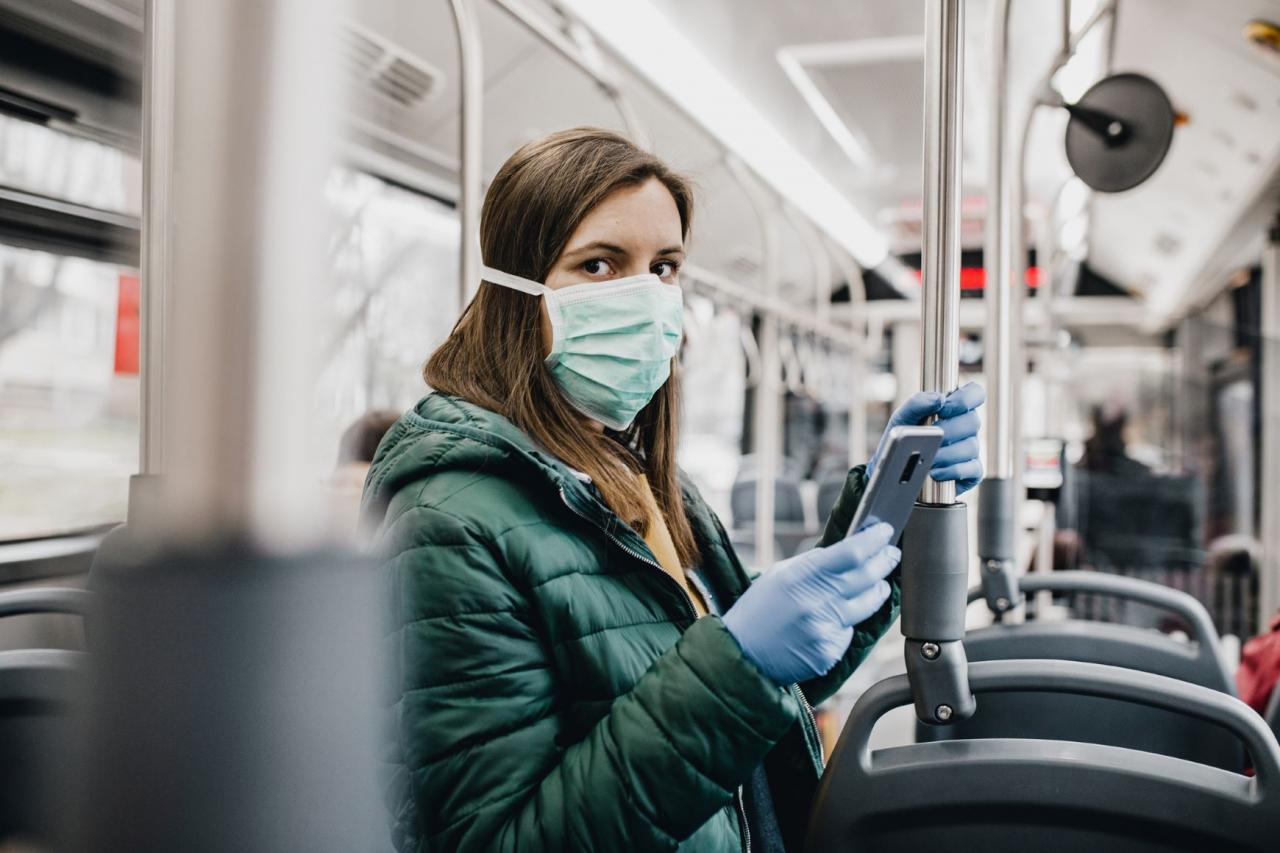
[[635, 230]]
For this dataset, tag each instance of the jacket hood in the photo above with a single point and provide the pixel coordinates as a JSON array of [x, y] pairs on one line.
[[447, 433]]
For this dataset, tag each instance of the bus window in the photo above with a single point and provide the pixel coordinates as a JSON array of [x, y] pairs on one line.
[[395, 297], [68, 392], [69, 331]]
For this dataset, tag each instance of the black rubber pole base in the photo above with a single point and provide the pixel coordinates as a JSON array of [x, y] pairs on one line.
[[935, 578], [939, 675], [997, 517]]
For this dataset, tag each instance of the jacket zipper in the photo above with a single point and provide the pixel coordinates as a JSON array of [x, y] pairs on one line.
[[742, 821], [813, 727], [693, 613], [688, 600]]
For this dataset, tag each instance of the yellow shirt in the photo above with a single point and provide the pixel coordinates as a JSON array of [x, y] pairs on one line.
[[658, 538]]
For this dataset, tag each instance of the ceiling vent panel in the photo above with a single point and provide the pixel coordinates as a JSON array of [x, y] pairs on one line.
[[391, 71]]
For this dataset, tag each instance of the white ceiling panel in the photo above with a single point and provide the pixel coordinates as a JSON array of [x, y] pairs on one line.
[[1157, 238]]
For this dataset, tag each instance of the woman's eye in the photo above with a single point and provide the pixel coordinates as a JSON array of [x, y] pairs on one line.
[[596, 266], [664, 269]]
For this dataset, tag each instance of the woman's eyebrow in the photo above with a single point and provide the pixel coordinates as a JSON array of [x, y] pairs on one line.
[[598, 246]]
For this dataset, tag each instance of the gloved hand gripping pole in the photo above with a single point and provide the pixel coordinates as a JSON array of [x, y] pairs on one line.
[[935, 550]]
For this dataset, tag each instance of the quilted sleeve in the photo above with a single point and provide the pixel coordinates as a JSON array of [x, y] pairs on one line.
[[868, 632], [476, 761]]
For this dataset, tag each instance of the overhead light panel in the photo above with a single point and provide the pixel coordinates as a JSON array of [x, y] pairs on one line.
[[642, 36], [797, 59]]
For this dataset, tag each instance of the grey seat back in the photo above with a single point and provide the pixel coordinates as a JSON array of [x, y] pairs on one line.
[[1008, 794], [1140, 519], [829, 490], [788, 505], [40, 695], [1095, 719], [40, 692], [744, 543]]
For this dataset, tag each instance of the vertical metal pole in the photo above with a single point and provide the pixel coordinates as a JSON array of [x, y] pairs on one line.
[[1269, 482], [1017, 327], [1049, 361], [767, 411], [255, 131], [470, 145], [768, 404], [940, 294], [233, 706], [906, 358], [1065, 33], [157, 234], [997, 505], [935, 551], [768, 415], [859, 366], [998, 257], [817, 250], [859, 355], [630, 118]]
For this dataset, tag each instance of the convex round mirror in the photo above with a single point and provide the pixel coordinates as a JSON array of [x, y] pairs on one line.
[[1119, 132]]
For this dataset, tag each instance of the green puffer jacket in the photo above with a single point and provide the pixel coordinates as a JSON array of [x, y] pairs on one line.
[[551, 689]]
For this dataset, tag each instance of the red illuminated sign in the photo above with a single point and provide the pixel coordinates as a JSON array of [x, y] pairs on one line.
[[128, 325], [975, 278]]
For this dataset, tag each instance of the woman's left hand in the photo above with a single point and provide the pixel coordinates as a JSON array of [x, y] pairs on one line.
[[957, 461]]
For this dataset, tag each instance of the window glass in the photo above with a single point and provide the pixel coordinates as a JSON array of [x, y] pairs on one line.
[[713, 391], [68, 392], [44, 161], [395, 298]]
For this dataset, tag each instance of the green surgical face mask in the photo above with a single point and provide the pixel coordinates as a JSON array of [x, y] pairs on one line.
[[612, 341]]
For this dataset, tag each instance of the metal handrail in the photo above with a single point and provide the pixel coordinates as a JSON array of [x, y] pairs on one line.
[[470, 142], [1131, 589], [1085, 679], [19, 602], [940, 282], [157, 186]]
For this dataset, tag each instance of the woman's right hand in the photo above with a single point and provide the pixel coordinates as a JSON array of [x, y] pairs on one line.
[[796, 620]]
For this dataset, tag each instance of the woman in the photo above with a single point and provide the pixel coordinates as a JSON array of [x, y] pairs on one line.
[[561, 679]]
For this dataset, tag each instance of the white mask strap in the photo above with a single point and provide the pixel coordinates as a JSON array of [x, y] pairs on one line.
[[514, 282]]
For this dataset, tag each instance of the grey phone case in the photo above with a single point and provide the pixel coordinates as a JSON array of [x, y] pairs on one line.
[[899, 475]]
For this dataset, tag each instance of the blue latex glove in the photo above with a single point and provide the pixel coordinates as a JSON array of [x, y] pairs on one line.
[[796, 621], [957, 415]]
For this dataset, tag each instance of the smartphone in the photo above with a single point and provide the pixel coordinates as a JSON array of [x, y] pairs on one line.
[[895, 485]]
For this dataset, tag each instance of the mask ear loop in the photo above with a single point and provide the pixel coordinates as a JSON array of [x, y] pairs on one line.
[[514, 282], [506, 279], [533, 288]]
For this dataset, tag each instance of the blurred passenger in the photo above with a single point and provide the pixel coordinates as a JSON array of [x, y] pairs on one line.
[[564, 678], [356, 448], [1105, 452]]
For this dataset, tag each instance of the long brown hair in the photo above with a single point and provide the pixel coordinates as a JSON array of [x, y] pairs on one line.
[[494, 355]]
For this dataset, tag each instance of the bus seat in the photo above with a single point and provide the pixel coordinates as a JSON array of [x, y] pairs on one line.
[[1002, 795], [40, 690], [744, 544], [1143, 520], [1098, 719], [21, 602], [788, 504], [39, 694], [829, 490]]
